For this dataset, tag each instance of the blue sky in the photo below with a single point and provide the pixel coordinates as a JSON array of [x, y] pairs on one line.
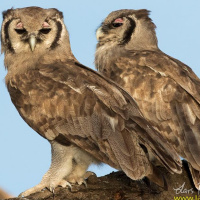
[[25, 156]]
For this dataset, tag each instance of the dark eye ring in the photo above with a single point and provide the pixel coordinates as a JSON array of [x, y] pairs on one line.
[[117, 24], [20, 31], [45, 30]]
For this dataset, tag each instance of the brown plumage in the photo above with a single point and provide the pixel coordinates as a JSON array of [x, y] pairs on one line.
[[166, 90], [87, 118]]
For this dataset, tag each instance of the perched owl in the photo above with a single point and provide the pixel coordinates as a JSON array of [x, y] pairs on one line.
[[86, 117], [166, 90]]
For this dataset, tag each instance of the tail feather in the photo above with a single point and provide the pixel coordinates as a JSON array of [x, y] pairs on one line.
[[195, 176], [158, 178], [129, 154]]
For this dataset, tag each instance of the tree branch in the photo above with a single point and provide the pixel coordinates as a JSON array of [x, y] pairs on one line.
[[117, 186]]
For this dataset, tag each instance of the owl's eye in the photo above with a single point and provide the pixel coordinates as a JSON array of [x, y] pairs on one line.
[[20, 31], [45, 30], [118, 22]]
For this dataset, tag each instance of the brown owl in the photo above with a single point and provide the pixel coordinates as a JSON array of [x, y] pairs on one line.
[[86, 117], [166, 90]]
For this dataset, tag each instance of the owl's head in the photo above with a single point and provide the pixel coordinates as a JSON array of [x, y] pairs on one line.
[[132, 29], [32, 30]]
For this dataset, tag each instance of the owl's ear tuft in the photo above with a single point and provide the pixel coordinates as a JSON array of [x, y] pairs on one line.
[[6, 13], [60, 14], [56, 13], [7, 16]]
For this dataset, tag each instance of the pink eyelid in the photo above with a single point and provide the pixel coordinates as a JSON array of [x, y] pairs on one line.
[[45, 25], [119, 20], [20, 25]]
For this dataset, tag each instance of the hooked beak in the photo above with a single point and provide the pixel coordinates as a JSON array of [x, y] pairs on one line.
[[99, 33], [32, 42]]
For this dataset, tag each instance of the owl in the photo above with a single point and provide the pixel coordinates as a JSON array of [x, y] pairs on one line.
[[167, 91], [86, 117]]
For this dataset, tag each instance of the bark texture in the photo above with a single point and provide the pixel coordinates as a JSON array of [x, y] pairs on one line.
[[117, 186]]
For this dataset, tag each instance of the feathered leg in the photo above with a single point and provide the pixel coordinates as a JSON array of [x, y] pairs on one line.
[[61, 166]]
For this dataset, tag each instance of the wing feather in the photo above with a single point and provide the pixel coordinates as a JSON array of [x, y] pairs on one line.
[[168, 94], [90, 111]]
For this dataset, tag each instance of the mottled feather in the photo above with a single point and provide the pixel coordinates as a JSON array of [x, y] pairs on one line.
[[166, 90], [86, 117]]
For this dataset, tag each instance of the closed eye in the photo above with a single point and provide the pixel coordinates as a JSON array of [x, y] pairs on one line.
[[45, 30], [20, 31], [117, 24]]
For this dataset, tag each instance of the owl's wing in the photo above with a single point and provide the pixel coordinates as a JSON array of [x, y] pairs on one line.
[[178, 71], [73, 104], [168, 94]]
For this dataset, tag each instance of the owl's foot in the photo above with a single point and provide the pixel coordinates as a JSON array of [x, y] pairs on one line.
[[63, 170], [61, 167], [62, 183], [75, 178], [42, 186], [32, 190]]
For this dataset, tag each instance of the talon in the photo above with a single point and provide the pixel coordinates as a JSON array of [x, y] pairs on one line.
[[69, 185], [85, 183], [52, 189], [65, 183]]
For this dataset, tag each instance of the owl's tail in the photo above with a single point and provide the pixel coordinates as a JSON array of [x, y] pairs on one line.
[[158, 178], [195, 176]]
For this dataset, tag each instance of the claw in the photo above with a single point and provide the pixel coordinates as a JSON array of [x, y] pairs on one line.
[[85, 183], [69, 185], [65, 183], [52, 189]]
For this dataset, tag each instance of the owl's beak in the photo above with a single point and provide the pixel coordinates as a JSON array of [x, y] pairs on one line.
[[99, 33], [32, 42]]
